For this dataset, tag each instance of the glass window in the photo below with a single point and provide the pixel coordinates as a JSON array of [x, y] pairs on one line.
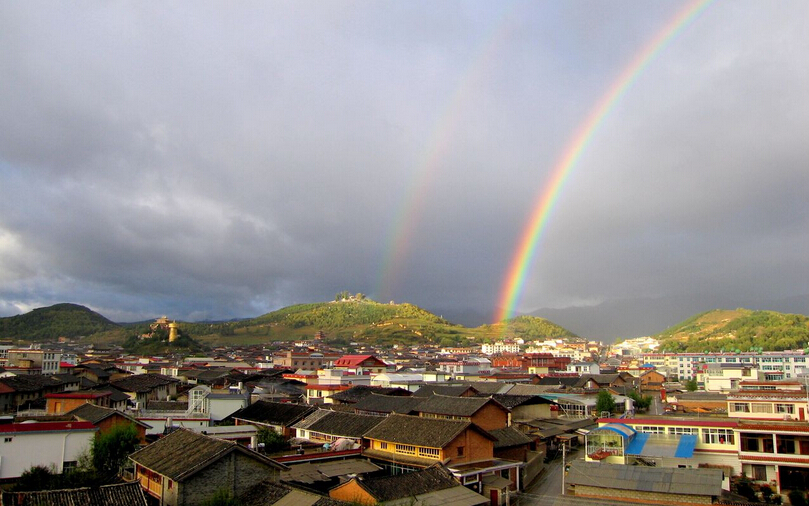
[[718, 436]]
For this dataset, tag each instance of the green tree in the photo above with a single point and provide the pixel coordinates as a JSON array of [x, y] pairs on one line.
[[272, 440], [37, 478], [605, 402], [691, 385], [111, 450]]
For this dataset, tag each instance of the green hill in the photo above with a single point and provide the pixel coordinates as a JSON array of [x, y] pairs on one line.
[[367, 321], [742, 329], [45, 323], [342, 322]]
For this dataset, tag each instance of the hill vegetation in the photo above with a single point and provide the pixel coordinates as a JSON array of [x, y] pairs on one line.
[[738, 329], [49, 323], [343, 321]]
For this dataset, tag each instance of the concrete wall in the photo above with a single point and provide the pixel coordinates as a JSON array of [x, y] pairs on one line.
[[639, 496], [20, 451]]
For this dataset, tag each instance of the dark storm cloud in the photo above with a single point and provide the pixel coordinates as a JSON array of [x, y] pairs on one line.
[[214, 161]]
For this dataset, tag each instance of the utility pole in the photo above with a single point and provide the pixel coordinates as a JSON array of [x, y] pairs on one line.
[[564, 448]]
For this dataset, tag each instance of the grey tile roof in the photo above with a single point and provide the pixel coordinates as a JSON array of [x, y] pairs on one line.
[[665, 480], [413, 430], [388, 404], [95, 414], [183, 452], [125, 494], [142, 382], [359, 392], [388, 488], [513, 401], [456, 406], [274, 413], [269, 493], [338, 423], [452, 390], [508, 437]]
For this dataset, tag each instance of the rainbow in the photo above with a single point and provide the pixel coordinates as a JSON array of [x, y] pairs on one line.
[[549, 195], [399, 239]]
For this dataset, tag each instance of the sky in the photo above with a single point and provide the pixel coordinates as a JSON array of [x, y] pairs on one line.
[[216, 160]]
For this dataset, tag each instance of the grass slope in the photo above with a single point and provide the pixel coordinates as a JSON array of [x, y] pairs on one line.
[[342, 322], [46, 323], [370, 322], [742, 329]]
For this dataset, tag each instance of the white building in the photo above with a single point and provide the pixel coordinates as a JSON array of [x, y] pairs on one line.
[[28, 444], [500, 347]]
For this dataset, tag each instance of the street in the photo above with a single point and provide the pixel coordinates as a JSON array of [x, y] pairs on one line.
[[549, 484]]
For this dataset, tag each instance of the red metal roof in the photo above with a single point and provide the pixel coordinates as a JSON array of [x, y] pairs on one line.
[[356, 360], [45, 427]]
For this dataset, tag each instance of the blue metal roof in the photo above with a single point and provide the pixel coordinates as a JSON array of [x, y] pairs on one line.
[[686, 447], [635, 447]]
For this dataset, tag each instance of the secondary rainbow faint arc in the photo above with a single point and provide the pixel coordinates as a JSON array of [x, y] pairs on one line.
[[527, 246], [408, 212]]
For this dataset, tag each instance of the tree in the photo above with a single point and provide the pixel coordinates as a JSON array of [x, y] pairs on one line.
[[272, 440], [691, 385], [605, 402], [111, 450], [37, 478]]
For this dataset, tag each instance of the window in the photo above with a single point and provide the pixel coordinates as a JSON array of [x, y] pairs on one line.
[[7, 440], [785, 408], [650, 429], [740, 407], [759, 472], [718, 436], [682, 430], [460, 451], [383, 445], [749, 443], [759, 407], [786, 444]]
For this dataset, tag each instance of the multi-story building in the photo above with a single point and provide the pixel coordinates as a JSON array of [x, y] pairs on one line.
[[775, 364], [500, 347]]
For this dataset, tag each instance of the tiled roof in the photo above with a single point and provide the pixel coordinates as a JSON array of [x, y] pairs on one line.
[[269, 492], [30, 382], [117, 395], [388, 404], [142, 382], [124, 494], [660, 480], [167, 405], [337, 423], [388, 488], [413, 430], [450, 390], [513, 401], [274, 413], [508, 437], [95, 414], [456, 406], [359, 392], [182, 453]]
